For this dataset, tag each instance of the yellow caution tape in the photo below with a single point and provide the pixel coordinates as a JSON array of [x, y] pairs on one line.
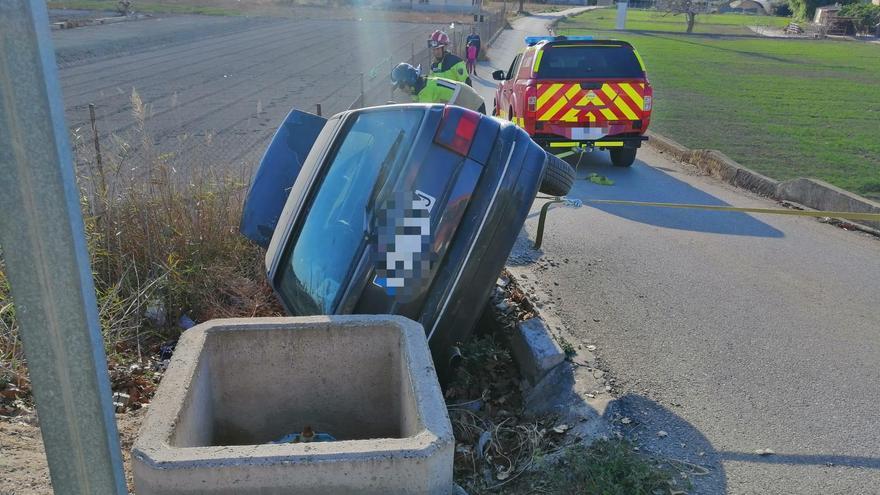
[[849, 215]]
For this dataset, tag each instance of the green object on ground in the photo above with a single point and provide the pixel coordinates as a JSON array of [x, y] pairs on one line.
[[784, 108], [600, 179]]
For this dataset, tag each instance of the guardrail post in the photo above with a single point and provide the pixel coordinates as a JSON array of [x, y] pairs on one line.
[[47, 262]]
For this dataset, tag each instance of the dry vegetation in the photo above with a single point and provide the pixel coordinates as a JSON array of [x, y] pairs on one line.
[[163, 245]]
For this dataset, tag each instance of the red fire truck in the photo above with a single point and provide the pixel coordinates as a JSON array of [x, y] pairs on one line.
[[575, 94]]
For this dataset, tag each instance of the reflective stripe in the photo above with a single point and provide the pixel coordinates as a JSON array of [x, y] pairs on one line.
[[537, 61], [633, 95], [549, 91], [609, 144], [639, 58], [563, 145]]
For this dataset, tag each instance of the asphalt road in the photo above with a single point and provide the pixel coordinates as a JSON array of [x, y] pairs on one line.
[[730, 332], [216, 88]]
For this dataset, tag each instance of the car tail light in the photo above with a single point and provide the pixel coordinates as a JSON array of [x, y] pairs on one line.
[[457, 129], [531, 99], [648, 103]]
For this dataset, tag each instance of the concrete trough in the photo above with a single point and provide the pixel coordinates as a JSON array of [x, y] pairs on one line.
[[235, 385]]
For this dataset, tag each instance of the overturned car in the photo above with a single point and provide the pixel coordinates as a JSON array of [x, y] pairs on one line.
[[401, 209]]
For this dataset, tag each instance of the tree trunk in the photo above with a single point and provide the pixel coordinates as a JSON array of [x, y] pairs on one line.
[[691, 18], [521, 5]]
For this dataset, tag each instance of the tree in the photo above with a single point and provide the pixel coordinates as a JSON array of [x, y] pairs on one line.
[[867, 16], [690, 9], [805, 9]]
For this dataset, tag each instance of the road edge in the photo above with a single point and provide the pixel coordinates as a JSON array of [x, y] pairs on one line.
[[811, 193]]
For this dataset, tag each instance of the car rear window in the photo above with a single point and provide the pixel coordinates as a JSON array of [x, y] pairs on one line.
[[317, 263], [589, 61]]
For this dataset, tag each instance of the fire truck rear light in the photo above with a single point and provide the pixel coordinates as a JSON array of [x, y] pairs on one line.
[[532, 101], [647, 103], [457, 129]]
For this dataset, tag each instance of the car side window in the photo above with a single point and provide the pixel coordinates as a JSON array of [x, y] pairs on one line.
[[525, 67], [513, 67]]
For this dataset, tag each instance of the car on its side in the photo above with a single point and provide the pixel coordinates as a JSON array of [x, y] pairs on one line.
[[576, 93], [401, 209]]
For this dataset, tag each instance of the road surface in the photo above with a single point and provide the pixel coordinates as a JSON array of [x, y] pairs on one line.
[[733, 333]]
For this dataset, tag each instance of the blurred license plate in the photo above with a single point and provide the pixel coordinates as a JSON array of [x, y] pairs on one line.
[[588, 132]]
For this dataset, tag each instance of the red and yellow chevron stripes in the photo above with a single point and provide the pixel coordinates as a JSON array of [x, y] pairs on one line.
[[567, 102]]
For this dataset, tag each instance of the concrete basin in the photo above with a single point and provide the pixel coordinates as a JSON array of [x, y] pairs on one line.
[[236, 385]]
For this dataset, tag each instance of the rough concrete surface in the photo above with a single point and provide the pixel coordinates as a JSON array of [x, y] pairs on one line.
[[731, 333], [236, 386], [534, 349]]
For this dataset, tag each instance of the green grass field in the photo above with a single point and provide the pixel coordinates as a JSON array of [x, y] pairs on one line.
[[653, 20], [785, 108]]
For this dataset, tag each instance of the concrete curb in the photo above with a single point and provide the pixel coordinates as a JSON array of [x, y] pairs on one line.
[[812, 193]]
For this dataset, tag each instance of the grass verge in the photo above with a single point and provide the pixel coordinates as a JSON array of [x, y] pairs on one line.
[[785, 108]]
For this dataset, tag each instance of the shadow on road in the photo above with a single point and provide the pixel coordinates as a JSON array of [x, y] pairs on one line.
[[641, 182], [659, 431], [633, 417]]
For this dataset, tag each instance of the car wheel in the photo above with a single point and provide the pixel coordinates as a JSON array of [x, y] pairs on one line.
[[558, 177], [510, 115], [623, 157], [495, 108]]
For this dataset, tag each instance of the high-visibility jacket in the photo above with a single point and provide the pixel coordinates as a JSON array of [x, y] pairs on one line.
[[451, 67], [440, 90]]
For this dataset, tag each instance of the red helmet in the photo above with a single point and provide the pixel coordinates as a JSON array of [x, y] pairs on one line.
[[438, 38]]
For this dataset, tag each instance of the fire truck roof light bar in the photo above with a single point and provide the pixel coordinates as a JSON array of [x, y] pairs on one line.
[[532, 40]]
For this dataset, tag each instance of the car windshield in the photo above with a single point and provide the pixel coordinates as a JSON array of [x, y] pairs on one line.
[[334, 225], [589, 61]]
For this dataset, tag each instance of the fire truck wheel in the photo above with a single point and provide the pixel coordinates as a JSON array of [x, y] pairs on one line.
[[623, 157], [558, 177]]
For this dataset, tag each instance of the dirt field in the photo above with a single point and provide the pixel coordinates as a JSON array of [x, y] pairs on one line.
[[216, 88], [23, 466]]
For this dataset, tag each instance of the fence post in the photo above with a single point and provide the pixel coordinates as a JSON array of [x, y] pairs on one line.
[[98, 160], [47, 262]]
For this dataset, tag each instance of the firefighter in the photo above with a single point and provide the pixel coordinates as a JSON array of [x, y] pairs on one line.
[[445, 64], [435, 89]]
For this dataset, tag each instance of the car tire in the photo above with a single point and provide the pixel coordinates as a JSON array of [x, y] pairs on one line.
[[558, 177], [623, 157]]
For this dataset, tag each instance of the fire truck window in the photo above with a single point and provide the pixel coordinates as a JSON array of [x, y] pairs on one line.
[[587, 62]]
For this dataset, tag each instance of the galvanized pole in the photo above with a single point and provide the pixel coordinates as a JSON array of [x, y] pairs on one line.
[[44, 246]]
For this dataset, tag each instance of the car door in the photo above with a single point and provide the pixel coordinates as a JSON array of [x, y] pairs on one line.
[[507, 86]]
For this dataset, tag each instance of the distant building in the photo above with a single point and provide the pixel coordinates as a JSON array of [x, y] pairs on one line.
[[753, 6], [825, 14]]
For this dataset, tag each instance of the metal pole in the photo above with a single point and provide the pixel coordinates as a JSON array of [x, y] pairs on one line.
[[41, 231], [319, 109], [362, 90], [539, 236]]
